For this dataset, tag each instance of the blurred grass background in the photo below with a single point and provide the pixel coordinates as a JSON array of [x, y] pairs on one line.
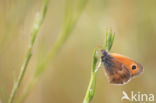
[[67, 77]]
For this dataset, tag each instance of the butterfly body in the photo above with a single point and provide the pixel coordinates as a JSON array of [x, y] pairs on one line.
[[120, 69]]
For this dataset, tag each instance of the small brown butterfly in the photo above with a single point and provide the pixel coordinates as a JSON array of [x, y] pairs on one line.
[[120, 69]]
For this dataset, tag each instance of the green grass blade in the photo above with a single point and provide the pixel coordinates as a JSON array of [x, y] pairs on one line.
[[37, 24], [95, 65]]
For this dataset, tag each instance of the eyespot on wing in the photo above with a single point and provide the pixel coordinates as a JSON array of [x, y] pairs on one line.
[[134, 67]]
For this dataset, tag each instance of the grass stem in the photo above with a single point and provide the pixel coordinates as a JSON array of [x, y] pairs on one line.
[[95, 66], [37, 24], [71, 18]]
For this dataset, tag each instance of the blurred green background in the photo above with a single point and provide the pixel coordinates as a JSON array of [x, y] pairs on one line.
[[67, 77]]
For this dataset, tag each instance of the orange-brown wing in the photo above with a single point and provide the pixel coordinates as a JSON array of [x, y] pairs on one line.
[[134, 67], [117, 72]]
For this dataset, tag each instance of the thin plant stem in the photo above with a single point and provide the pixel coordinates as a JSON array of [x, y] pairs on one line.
[[70, 21], [95, 66], [90, 92], [37, 24], [69, 24], [92, 84]]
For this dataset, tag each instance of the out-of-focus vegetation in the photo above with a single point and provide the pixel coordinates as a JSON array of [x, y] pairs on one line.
[[38, 21], [66, 78]]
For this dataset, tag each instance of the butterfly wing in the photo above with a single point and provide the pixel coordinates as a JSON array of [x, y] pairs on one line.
[[121, 74], [134, 67], [117, 72]]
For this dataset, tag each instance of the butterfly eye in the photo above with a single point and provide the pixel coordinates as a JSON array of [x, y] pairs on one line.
[[133, 67]]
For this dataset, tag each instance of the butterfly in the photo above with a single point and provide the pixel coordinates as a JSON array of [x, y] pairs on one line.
[[120, 69]]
